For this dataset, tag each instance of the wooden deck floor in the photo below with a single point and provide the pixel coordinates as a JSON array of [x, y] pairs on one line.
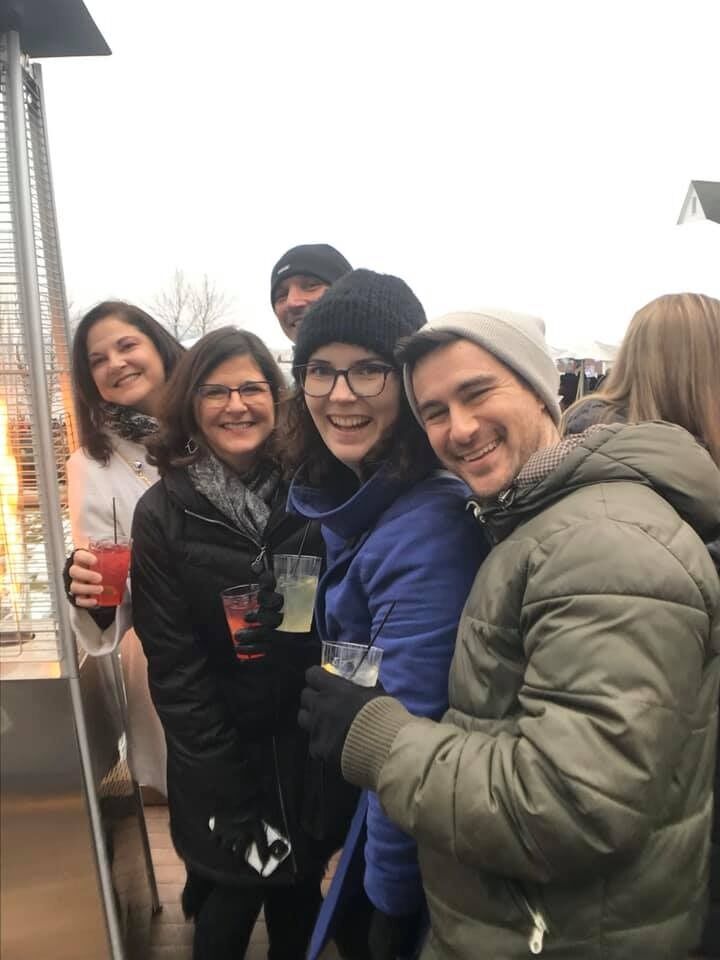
[[171, 933], [171, 937]]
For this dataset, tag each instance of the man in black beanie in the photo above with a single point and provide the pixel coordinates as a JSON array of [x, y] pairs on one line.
[[301, 276]]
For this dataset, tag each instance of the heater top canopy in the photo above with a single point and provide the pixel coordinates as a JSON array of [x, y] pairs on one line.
[[53, 28]]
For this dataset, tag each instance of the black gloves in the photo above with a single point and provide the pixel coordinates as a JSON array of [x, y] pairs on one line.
[[103, 616], [270, 603], [328, 706], [236, 831], [70, 597], [392, 937], [252, 643]]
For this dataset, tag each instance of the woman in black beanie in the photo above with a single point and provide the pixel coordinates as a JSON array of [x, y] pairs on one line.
[[401, 552]]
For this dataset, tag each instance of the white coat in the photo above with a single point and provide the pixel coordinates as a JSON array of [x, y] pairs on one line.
[[91, 488]]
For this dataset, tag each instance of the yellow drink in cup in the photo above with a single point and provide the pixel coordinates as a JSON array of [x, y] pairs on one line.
[[297, 580]]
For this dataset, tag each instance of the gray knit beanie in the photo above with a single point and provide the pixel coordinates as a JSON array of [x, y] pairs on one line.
[[517, 340]]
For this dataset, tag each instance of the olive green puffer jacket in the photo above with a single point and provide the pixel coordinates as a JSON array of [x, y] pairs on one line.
[[564, 804]]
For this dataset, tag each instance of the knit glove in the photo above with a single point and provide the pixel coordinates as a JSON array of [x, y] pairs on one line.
[[103, 616], [328, 706], [236, 830], [253, 642], [67, 580], [393, 937], [270, 603]]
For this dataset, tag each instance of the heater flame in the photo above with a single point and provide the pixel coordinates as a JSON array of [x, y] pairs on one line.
[[10, 536]]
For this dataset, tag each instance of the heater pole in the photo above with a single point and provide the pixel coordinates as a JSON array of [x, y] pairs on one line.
[[45, 457]]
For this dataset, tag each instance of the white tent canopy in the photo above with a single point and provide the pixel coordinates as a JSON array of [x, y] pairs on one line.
[[586, 350]]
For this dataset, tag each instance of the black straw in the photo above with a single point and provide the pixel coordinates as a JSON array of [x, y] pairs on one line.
[[114, 520], [373, 639], [300, 549]]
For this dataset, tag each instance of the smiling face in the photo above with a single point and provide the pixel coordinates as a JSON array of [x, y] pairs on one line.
[[482, 422], [292, 298], [352, 427], [236, 428], [125, 365]]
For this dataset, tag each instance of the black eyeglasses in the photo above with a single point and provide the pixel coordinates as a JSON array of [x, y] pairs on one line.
[[217, 394], [366, 378]]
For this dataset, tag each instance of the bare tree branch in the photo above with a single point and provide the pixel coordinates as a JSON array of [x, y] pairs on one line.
[[171, 307], [209, 306], [190, 310]]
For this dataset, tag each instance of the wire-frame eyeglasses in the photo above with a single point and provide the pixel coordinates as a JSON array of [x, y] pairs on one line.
[[218, 394]]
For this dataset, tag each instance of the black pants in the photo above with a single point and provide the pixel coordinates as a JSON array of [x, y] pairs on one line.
[[225, 917]]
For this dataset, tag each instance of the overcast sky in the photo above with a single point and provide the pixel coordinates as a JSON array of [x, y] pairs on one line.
[[529, 155]]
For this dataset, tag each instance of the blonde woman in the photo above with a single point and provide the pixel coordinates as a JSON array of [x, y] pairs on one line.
[[668, 368]]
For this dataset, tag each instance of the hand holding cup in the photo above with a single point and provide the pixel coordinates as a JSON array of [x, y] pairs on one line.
[[85, 581]]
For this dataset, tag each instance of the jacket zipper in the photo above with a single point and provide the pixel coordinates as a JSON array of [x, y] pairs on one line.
[[539, 923], [239, 533], [282, 803], [220, 523]]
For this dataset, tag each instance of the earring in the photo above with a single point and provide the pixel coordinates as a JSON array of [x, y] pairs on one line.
[[191, 447]]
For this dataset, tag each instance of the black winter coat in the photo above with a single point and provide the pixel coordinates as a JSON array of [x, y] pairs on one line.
[[231, 726]]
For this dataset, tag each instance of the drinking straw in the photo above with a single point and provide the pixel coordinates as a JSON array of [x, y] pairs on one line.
[[373, 639], [114, 520], [300, 550]]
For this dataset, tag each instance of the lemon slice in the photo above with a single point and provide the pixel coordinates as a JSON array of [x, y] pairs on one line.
[[331, 669]]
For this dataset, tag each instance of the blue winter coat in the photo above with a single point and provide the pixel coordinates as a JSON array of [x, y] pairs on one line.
[[416, 546]]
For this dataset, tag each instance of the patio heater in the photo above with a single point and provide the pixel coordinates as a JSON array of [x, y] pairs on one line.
[[76, 877]]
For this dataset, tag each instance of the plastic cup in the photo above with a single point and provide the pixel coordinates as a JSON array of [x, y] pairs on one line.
[[237, 602], [297, 580], [349, 660], [113, 563]]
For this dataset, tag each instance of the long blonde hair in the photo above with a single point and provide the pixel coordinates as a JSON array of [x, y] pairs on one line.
[[668, 368]]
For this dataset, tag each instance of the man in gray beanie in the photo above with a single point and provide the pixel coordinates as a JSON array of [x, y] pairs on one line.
[[563, 805]]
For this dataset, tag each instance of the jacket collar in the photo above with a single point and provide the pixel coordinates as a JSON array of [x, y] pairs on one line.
[[346, 508], [183, 494], [658, 455]]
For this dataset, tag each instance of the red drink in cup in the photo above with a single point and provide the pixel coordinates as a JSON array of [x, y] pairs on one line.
[[237, 601], [113, 563]]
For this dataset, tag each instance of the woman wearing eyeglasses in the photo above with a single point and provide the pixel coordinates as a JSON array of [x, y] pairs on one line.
[[236, 758], [401, 551]]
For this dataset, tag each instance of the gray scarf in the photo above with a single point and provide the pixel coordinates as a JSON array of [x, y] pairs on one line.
[[127, 422], [245, 501]]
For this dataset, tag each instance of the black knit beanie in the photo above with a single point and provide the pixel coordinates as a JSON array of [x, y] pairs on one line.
[[311, 259], [368, 309]]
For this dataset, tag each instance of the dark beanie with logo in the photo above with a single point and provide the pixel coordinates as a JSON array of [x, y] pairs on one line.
[[318, 260], [367, 309]]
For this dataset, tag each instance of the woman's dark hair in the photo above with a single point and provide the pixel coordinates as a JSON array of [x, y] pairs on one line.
[[88, 402], [406, 452], [179, 441]]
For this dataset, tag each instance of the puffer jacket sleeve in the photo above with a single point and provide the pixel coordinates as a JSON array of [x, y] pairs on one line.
[[418, 574], [615, 639], [182, 687]]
